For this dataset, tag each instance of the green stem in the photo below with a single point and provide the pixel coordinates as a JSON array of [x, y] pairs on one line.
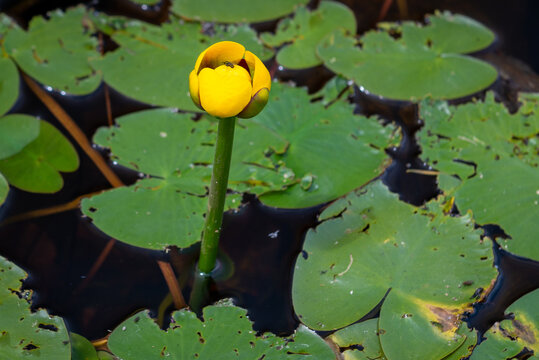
[[216, 201]]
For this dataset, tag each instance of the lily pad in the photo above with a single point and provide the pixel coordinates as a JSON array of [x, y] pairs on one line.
[[153, 63], [167, 208], [429, 264], [9, 85], [234, 11], [508, 338], [4, 189], [24, 333], [82, 348], [56, 51], [16, 131], [331, 151], [36, 167], [360, 341], [424, 61], [305, 30], [225, 333], [503, 148]]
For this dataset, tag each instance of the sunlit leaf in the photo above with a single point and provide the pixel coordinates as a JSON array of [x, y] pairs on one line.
[[153, 63], [502, 188], [428, 263], [508, 338], [56, 51], [337, 150], [305, 30], [9, 85], [422, 61], [234, 11], [17, 131], [26, 334], [226, 333], [36, 167]]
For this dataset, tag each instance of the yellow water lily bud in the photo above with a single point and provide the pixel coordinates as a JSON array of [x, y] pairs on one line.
[[229, 81]]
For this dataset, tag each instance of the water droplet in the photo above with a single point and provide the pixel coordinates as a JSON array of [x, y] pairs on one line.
[[273, 235], [163, 134]]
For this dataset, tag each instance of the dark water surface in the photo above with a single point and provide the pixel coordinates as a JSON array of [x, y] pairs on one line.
[[59, 250]]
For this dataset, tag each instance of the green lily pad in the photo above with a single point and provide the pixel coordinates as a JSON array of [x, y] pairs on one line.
[[36, 167], [25, 334], [428, 263], [234, 11], [504, 148], [337, 86], [423, 61], [82, 348], [153, 63], [146, 2], [168, 207], [360, 341], [508, 338], [4, 189], [225, 333], [17, 131], [305, 30], [336, 150], [9, 84], [56, 51]]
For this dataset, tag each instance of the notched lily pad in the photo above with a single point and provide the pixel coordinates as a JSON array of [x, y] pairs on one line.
[[359, 341], [483, 151], [153, 63], [226, 333], [17, 131], [36, 167], [236, 11], [305, 30], [423, 60], [510, 337], [331, 151], [9, 84], [23, 333], [421, 258], [56, 51]]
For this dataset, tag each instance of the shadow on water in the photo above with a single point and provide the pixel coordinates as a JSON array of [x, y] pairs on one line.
[[59, 250]]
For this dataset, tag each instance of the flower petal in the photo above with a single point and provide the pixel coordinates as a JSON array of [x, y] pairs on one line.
[[193, 88], [225, 91], [256, 104], [218, 53], [199, 61], [259, 72]]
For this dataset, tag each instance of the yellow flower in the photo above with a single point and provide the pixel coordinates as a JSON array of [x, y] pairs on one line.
[[229, 81]]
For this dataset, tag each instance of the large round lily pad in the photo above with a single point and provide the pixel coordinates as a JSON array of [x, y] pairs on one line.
[[25, 334], [9, 84], [226, 333], [36, 167], [56, 51], [234, 11], [153, 63], [331, 151], [502, 186], [424, 60], [428, 263], [507, 339], [305, 30]]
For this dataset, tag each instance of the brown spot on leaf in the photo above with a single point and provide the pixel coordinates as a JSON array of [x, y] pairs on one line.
[[447, 319], [523, 332]]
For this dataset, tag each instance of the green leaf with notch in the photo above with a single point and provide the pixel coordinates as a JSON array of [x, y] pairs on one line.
[[36, 167], [238, 11], [56, 51], [153, 63], [506, 339], [504, 150], [424, 61], [226, 333], [9, 85], [25, 333], [17, 131], [429, 264], [360, 341], [305, 30]]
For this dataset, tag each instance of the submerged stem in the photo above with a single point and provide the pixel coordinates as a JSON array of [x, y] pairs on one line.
[[216, 201]]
